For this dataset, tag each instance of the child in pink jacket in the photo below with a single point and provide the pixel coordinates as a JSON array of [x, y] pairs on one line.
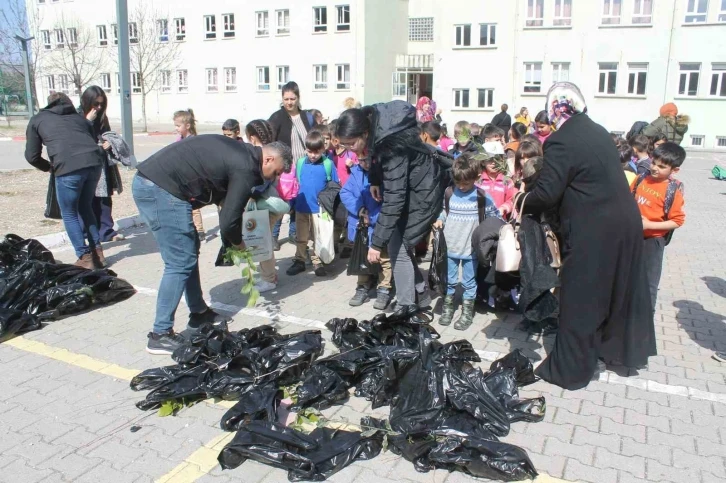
[[500, 188]]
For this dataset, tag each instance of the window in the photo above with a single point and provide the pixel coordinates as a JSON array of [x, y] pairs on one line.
[[118, 84], [532, 76], [718, 80], [643, 12], [165, 86], [560, 72], [461, 98], [343, 18], [210, 27], [101, 33], [487, 34], [421, 29], [320, 19], [283, 76], [263, 78], [182, 81], [60, 40], [114, 32], [228, 19], [283, 22], [343, 77], [399, 84], [721, 141], [63, 84], [463, 35], [212, 80], [133, 33], [637, 77], [106, 82], [563, 12], [162, 26], [608, 77], [485, 98], [263, 24], [535, 13], [688, 81], [50, 81], [41, 2], [321, 77], [696, 11], [697, 140], [136, 83], [180, 29], [722, 13], [230, 79], [45, 34], [73, 37], [611, 12]]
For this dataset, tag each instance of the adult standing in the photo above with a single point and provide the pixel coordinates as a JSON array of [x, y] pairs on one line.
[[669, 124], [291, 124], [75, 160], [425, 110], [200, 171], [605, 307], [503, 121], [405, 171], [524, 118], [93, 108]]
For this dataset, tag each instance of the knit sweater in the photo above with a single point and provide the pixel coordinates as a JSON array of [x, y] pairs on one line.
[[460, 223]]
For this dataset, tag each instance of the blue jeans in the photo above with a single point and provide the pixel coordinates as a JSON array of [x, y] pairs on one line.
[[468, 276], [75, 193], [291, 231], [170, 220]]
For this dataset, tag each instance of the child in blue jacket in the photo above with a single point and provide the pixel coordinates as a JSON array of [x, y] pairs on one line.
[[357, 199]]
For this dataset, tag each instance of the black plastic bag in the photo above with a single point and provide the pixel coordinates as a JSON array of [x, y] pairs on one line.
[[520, 363], [438, 271], [358, 263], [14, 322], [321, 388], [258, 403], [52, 209]]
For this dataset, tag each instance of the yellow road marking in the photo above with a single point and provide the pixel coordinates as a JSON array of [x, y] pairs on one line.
[[199, 463]]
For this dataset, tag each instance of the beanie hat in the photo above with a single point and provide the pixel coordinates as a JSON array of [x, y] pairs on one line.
[[669, 110]]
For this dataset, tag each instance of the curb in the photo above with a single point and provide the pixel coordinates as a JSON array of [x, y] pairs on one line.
[[56, 240]]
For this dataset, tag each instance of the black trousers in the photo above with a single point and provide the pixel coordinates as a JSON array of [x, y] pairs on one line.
[[653, 250]]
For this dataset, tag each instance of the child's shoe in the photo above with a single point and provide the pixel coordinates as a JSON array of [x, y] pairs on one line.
[[447, 313], [383, 298], [467, 315], [275, 244], [297, 267], [360, 297], [320, 270]]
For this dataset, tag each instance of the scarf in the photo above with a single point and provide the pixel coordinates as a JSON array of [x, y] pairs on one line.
[[564, 100]]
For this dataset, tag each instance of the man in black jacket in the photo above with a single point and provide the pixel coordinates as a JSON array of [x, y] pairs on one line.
[[75, 160], [202, 170], [503, 121]]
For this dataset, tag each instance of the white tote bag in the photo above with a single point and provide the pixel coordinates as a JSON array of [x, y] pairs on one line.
[[324, 226], [256, 232]]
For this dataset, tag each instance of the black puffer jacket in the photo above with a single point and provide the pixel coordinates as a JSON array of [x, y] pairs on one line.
[[411, 175], [67, 136]]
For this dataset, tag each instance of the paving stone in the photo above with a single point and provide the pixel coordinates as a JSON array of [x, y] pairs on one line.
[[636, 432], [639, 394], [684, 442], [35, 450], [702, 432], [656, 410], [661, 423], [563, 432], [635, 465], [614, 413], [70, 465], [662, 453], [695, 405], [710, 464], [584, 453], [549, 464], [563, 416], [576, 471], [659, 472], [611, 442], [614, 401], [21, 472], [104, 472]]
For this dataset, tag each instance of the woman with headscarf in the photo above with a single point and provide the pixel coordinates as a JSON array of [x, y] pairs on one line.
[[670, 124], [425, 109], [605, 309]]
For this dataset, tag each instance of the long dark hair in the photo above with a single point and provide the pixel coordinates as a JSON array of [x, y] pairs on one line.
[[542, 117], [88, 99], [261, 129], [295, 89], [356, 123]]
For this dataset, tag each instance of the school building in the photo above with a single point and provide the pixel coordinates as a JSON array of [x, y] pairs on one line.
[[627, 56]]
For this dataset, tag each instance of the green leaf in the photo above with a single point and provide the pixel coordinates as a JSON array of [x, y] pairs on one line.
[[247, 288], [253, 298], [385, 443], [368, 433], [166, 409]]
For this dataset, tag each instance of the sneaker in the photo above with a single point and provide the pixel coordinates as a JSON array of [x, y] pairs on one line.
[[202, 236], [360, 297], [118, 237], [161, 344], [383, 298], [296, 268], [275, 245], [263, 286], [719, 356], [209, 316], [320, 270]]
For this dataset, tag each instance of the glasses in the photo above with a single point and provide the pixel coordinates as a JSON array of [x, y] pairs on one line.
[[98, 104]]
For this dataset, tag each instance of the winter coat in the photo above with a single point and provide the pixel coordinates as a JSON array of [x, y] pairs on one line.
[[411, 175], [605, 306], [282, 125], [503, 121], [501, 190], [484, 241], [110, 179], [673, 128], [537, 277], [68, 138], [355, 195]]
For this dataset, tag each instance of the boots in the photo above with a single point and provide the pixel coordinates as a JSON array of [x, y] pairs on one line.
[[86, 261], [447, 313], [99, 259], [467, 315]]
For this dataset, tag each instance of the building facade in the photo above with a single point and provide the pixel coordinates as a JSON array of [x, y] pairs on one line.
[[628, 56]]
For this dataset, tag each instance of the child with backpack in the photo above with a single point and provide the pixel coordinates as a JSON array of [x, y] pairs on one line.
[[465, 207], [641, 163], [660, 200], [313, 173], [343, 159]]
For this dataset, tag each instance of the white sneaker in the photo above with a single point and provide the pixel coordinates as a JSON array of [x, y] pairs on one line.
[[262, 286]]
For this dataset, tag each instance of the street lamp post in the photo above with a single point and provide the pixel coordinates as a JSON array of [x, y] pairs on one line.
[[124, 67], [26, 67]]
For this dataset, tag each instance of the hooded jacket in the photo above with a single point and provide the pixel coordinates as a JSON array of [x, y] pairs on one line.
[[355, 195], [674, 128], [67, 136], [411, 175]]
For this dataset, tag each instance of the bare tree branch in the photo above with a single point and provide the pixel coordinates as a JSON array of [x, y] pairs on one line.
[[15, 20]]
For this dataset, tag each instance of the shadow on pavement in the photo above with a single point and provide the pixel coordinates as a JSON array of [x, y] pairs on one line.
[[716, 285], [707, 329]]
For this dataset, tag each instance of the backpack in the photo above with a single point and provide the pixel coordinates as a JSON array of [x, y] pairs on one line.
[[481, 201], [327, 164], [673, 186], [719, 172]]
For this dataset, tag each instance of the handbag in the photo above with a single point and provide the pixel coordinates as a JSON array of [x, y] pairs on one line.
[[509, 254], [553, 246], [256, 232], [324, 229], [52, 209]]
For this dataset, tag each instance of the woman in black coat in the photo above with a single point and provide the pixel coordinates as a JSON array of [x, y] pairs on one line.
[[605, 309], [93, 108], [410, 176], [291, 124]]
